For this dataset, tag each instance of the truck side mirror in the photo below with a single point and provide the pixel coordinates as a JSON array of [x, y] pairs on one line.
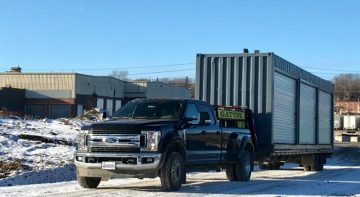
[[204, 118], [191, 120], [104, 115]]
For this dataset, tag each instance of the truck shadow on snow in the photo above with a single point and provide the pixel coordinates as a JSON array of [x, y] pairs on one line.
[[341, 177], [336, 182]]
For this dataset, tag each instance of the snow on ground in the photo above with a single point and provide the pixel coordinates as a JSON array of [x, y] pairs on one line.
[[48, 170], [36, 156], [339, 178]]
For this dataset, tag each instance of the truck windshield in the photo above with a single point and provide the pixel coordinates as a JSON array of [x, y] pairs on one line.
[[149, 110]]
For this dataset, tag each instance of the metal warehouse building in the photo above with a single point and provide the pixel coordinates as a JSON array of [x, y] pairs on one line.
[[57, 95]]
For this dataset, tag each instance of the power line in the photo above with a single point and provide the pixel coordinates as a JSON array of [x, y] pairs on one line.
[[166, 71], [129, 67], [330, 69]]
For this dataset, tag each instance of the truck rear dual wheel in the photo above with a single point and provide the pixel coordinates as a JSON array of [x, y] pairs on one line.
[[88, 182], [240, 171], [173, 173]]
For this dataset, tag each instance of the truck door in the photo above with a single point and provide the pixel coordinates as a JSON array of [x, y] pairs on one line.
[[203, 141], [211, 133]]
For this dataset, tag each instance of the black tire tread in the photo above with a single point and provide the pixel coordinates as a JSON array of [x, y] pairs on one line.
[[230, 172], [88, 182], [165, 173], [239, 170]]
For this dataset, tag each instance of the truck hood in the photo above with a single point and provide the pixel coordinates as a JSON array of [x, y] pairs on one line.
[[131, 124]]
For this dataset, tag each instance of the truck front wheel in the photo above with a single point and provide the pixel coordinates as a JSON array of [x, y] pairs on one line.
[[173, 172], [88, 182]]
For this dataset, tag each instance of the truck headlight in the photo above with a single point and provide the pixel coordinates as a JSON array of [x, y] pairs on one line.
[[152, 140], [81, 141]]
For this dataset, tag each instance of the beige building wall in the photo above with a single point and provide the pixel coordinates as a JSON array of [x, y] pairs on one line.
[[45, 84]]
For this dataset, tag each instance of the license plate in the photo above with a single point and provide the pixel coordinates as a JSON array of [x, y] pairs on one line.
[[108, 165]]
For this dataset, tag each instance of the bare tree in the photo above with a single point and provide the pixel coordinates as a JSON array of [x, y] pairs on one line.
[[347, 87], [120, 74], [187, 82]]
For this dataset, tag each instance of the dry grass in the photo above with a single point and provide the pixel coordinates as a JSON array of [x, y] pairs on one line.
[[6, 168]]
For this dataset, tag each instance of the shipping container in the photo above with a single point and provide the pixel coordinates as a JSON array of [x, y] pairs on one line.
[[351, 122], [293, 108]]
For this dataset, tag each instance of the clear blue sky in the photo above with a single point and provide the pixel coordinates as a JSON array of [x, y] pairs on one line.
[[95, 37]]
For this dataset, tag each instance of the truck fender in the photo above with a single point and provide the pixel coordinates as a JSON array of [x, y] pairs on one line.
[[246, 143], [237, 144], [174, 144]]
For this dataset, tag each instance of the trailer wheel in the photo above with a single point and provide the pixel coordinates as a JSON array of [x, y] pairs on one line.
[[263, 166], [173, 173], [318, 164], [313, 162], [88, 182], [270, 166], [243, 168], [274, 166], [307, 167]]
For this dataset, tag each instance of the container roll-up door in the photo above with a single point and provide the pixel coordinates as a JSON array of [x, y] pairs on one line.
[[307, 114], [284, 109], [324, 118]]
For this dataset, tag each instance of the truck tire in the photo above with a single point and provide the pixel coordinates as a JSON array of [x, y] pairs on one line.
[[230, 172], [243, 168], [88, 182], [173, 172]]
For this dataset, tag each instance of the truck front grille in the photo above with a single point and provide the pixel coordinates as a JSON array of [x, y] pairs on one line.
[[121, 143], [114, 149], [114, 131]]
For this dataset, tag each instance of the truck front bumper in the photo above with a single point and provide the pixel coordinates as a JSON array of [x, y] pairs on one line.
[[140, 165]]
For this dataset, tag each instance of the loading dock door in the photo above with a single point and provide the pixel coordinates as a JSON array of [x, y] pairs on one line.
[[59, 111], [35, 110], [284, 109], [109, 106]]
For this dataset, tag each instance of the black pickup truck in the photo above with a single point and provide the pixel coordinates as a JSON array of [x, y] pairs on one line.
[[149, 138]]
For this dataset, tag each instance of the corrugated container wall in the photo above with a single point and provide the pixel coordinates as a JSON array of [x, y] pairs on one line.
[[274, 89]]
